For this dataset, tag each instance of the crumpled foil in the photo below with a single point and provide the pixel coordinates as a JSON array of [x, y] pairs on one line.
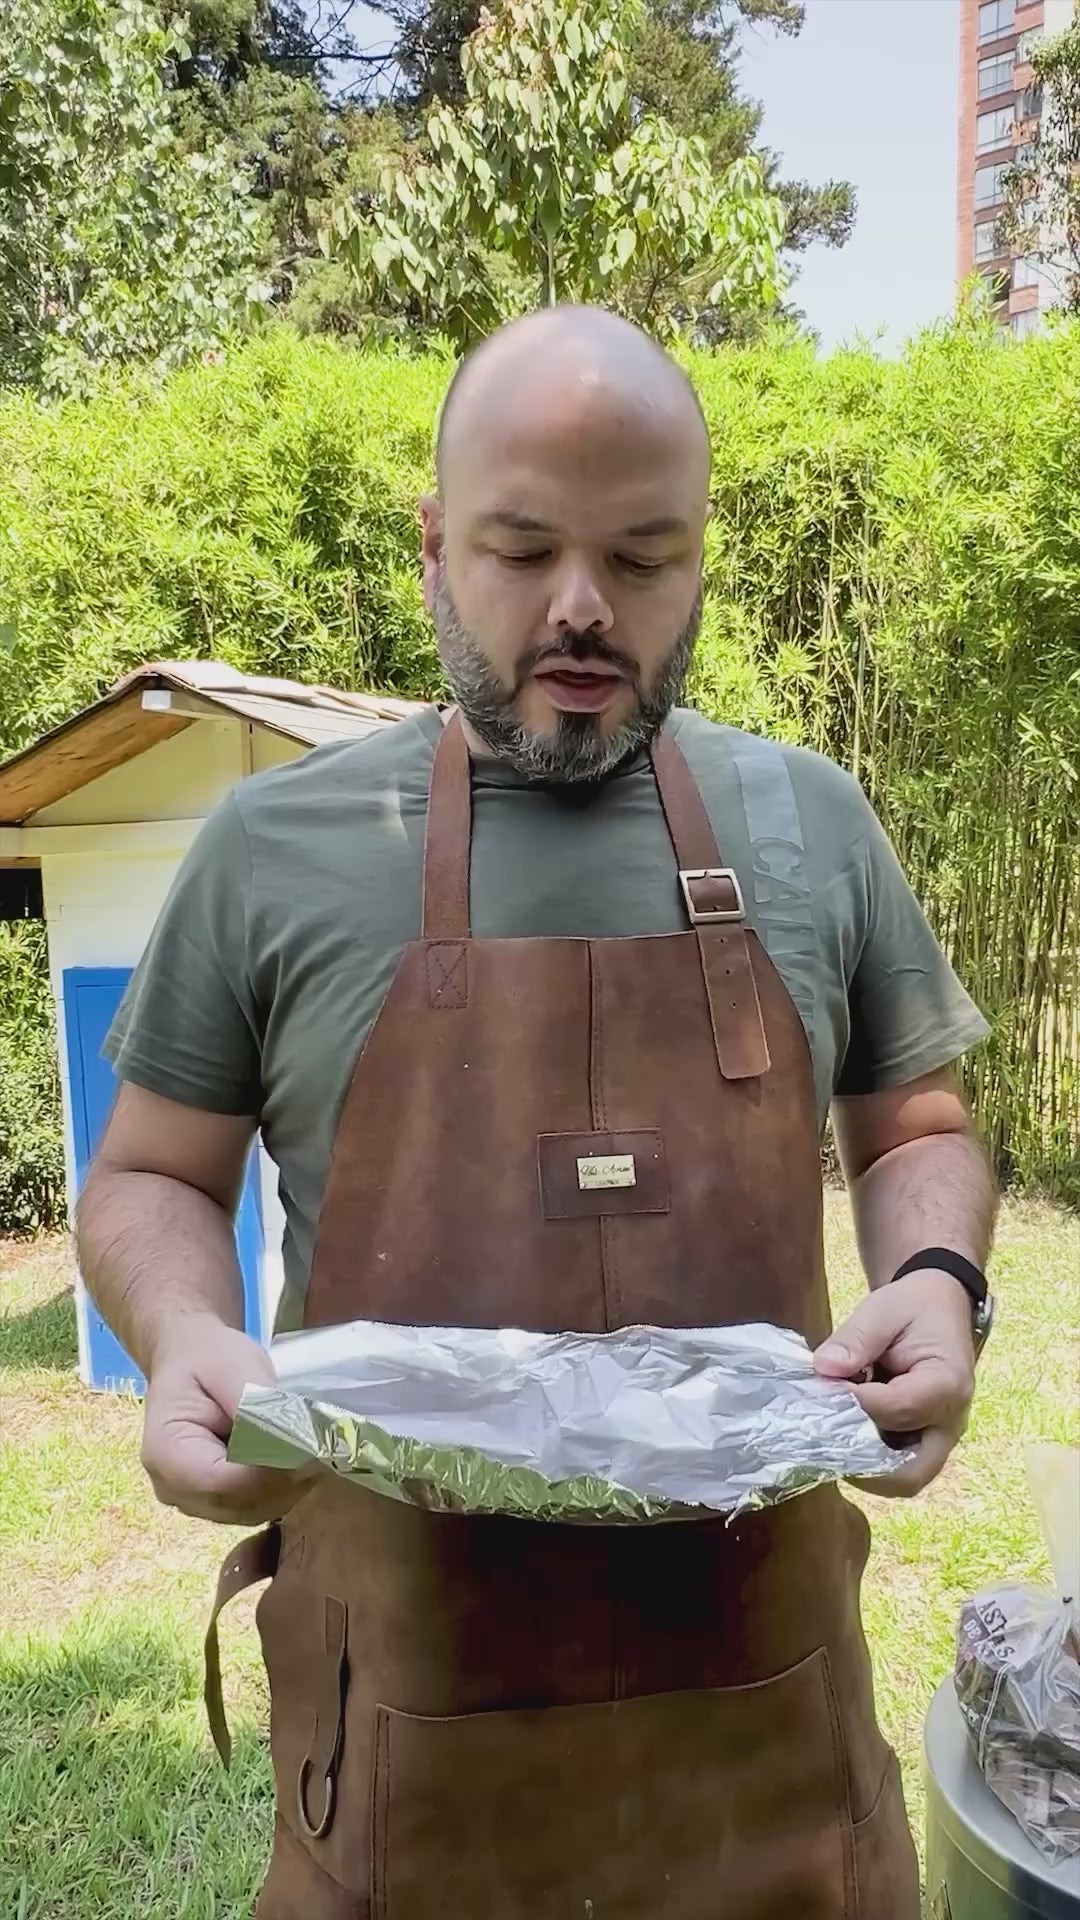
[[645, 1423]]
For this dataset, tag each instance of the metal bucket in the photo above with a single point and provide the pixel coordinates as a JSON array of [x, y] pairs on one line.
[[979, 1863]]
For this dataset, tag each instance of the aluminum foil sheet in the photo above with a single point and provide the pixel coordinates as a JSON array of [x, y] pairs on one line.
[[642, 1424]]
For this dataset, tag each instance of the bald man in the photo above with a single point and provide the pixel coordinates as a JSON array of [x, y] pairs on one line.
[[539, 1001]]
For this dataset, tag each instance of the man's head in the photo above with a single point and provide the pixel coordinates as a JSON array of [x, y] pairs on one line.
[[562, 556]]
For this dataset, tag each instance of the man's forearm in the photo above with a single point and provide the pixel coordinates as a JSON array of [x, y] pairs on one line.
[[937, 1191], [152, 1252]]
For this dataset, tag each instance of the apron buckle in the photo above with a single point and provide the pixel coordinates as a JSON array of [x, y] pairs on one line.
[[716, 914]]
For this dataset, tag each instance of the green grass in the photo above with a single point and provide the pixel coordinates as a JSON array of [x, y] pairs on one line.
[[112, 1803]]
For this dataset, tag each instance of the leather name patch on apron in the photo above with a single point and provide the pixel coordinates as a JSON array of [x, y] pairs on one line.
[[583, 1174]]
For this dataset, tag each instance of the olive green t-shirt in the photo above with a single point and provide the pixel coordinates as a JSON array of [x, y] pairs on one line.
[[282, 930]]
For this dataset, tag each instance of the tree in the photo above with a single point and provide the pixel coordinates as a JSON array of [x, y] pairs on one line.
[[1042, 211], [257, 79], [114, 246], [546, 164], [684, 67]]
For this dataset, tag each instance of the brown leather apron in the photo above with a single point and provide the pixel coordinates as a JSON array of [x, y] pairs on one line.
[[496, 1719]]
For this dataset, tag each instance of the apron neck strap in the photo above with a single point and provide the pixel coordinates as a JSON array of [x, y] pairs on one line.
[[688, 824], [447, 838], [449, 833]]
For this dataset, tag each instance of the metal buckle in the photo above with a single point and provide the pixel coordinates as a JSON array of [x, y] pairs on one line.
[[712, 916], [308, 1825]]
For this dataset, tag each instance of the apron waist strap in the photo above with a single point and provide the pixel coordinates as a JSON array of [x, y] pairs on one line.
[[252, 1560]]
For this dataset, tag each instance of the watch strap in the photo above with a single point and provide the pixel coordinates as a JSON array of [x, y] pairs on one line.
[[968, 1274]]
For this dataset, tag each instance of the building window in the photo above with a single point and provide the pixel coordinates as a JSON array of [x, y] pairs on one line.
[[986, 240], [1029, 104], [989, 187], [995, 75], [1024, 323], [993, 129], [1027, 155], [997, 287], [995, 17], [1025, 272], [1027, 43]]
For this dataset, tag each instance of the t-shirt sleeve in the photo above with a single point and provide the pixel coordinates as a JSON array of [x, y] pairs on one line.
[[908, 1013], [187, 1026]]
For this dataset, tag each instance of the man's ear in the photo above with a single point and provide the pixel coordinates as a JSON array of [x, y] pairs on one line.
[[431, 545]]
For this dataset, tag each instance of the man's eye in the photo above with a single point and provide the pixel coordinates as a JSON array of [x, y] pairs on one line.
[[523, 559], [630, 565]]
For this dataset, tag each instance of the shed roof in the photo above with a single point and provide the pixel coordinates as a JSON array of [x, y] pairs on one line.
[[161, 699]]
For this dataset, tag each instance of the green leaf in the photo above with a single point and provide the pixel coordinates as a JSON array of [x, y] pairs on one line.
[[550, 219], [622, 160], [572, 36], [562, 69], [624, 244]]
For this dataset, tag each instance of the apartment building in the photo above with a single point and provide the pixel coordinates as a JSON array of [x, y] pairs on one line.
[[1000, 110]]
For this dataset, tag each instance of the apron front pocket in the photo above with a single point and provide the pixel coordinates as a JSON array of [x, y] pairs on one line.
[[679, 1806]]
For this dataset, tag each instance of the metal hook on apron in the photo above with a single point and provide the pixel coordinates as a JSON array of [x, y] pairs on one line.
[[330, 1783], [323, 1758]]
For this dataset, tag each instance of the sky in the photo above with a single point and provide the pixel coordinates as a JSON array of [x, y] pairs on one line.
[[867, 92]]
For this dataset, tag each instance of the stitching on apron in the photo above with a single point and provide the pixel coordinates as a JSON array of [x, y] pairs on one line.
[[448, 980], [847, 1836], [608, 1263], [596, 1049], [380, 1806]]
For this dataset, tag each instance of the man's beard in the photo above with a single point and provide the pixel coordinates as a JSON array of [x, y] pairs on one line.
[[578, 750]]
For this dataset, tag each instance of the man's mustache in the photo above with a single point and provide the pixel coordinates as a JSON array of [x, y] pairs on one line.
[[579, 645]]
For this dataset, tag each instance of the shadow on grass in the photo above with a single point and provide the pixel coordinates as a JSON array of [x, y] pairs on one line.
[[113, 1805], [44, 1336]]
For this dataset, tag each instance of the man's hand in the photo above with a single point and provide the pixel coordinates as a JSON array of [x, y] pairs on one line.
[[920, 1330], [191, 1400]]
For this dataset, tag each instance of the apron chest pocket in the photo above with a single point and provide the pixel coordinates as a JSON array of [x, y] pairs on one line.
[[662, 1807]]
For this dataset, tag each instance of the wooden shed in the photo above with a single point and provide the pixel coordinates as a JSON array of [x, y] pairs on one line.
[[95, 818]]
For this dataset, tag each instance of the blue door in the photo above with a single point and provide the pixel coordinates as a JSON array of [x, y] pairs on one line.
[[91, 997]]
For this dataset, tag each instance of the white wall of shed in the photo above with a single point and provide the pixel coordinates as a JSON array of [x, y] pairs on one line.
[[100, 910]]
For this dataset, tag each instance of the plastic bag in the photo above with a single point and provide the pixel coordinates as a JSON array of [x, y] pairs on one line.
[[1018, 1672]]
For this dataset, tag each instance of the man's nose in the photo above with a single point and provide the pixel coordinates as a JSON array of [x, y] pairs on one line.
[[578, 601]]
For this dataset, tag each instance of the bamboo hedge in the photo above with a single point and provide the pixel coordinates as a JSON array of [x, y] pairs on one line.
[[893, 574]]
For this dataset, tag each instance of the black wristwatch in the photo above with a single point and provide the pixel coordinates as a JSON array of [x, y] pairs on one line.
[[970, 1278]]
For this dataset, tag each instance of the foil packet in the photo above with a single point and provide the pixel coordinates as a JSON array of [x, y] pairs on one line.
[[642, 1424]]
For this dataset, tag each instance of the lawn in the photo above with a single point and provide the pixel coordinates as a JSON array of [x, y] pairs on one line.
[[112, 1803]]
